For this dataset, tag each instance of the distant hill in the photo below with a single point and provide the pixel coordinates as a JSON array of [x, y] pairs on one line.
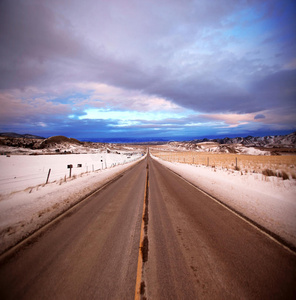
[[57, 140], [275, 145], [288, 140], [35, 142], [17, 135]]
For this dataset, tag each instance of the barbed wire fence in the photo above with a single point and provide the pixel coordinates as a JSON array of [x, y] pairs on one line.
[[17, 181]]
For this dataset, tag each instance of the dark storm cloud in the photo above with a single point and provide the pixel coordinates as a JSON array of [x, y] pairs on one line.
[[39, 47], [275, 90], [278, 89], [33, 40]]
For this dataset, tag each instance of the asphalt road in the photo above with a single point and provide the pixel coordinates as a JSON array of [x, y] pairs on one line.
[[91, 253], [200, 250], [196, 248]]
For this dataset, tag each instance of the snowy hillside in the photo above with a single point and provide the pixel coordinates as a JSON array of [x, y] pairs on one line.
[[250, 145], [57, 145], [213, 147], [266, 141]]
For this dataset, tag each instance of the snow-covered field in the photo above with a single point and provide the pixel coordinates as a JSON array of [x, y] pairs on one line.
[[27, 203], [19, 172], [269, 201]]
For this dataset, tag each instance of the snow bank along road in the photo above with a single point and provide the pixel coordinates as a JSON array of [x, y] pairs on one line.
[[149, 234]]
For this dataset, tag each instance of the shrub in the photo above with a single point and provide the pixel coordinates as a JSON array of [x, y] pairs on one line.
[[285, 175], [268, 172]]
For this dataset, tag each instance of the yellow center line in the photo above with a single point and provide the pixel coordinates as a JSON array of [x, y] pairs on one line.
[[140, 260]]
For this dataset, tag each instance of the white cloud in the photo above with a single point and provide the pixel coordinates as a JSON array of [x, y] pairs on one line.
[[107, 96]]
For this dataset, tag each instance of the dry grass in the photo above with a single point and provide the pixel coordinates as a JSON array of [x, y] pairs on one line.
[[268, 172], [281, 166]]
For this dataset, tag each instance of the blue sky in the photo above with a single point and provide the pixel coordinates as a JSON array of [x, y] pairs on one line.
[[134, 69]]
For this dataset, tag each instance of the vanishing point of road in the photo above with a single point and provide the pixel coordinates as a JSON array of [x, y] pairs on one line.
[[149, 235]]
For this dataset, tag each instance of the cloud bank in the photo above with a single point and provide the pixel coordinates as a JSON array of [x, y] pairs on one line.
[[201, 67]]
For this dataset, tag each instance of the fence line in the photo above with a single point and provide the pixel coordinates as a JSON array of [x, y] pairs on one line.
[[43, 176], [254, 163]]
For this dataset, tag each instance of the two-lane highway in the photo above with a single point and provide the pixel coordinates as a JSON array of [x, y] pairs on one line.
[[197, 249]]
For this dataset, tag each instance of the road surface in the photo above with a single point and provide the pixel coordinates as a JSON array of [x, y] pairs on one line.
[[195, 248]]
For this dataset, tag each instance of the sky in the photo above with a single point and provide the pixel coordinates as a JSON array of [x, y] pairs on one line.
[[154, 70]]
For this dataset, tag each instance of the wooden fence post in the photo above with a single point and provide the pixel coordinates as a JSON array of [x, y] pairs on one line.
[[70, 170], [48, 175]]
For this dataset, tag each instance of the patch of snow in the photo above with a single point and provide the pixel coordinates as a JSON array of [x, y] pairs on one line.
[[250, 150]]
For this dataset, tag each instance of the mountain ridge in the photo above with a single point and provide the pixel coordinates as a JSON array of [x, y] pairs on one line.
[[269, 141], [17, 135]]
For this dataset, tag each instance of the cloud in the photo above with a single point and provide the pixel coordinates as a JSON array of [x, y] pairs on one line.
[[259, 116], [277, 89], [108, 96], [32, 111], [33, 41]]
